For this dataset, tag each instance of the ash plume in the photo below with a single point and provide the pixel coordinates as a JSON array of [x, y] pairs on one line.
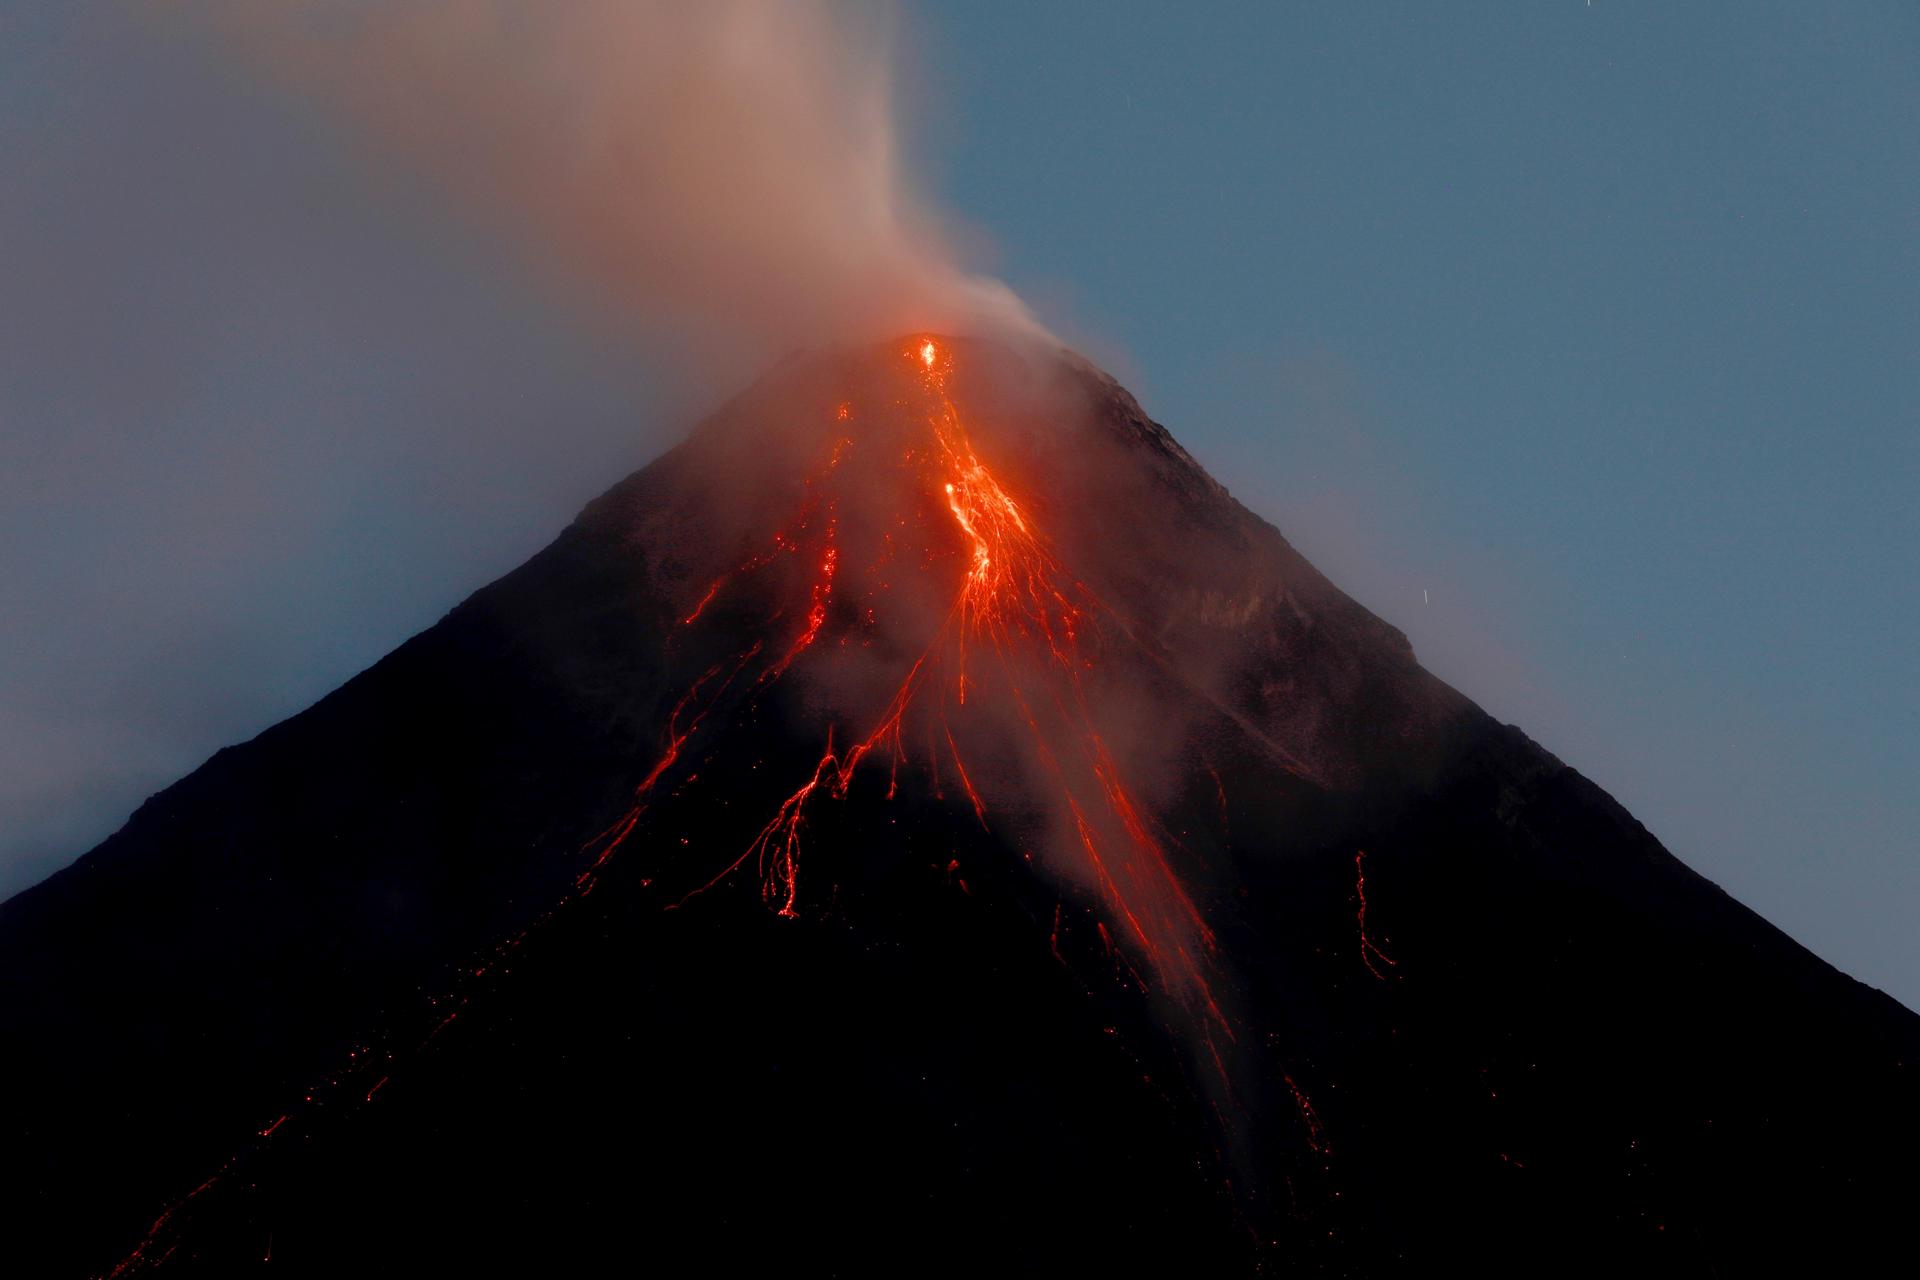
[[724, 180]]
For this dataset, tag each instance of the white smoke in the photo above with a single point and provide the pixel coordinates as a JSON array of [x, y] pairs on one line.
[[725, 172]]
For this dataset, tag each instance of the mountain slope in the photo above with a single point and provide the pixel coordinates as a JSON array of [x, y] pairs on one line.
[[923, 821]]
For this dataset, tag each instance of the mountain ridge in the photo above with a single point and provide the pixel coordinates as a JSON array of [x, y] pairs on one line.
[[444, 798]]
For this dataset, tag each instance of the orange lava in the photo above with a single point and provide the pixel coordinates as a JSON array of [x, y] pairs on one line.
[[1014, 624], [1011, 638]]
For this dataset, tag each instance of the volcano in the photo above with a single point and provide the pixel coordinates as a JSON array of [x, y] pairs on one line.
[[923, 824]]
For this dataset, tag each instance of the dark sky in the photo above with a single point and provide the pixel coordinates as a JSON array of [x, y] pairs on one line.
[[1575, 340]]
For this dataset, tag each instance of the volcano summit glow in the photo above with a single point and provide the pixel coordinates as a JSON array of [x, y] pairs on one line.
[[1016, 637]]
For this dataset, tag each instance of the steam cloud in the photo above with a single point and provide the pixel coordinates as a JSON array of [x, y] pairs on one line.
[[721, 175]]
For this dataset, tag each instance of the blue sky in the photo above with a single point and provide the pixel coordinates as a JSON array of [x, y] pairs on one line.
[[1576, 340]]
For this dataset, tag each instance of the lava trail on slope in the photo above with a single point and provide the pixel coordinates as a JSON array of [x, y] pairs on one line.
[[937, 632]]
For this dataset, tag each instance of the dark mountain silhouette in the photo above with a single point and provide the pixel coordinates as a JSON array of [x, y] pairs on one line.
[[923, 824]]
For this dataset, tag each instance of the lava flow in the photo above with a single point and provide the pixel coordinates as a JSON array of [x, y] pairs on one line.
[[1369, 950], [1011, 637]]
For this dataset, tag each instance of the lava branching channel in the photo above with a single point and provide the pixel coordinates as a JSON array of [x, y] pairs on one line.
[[1011, 637]]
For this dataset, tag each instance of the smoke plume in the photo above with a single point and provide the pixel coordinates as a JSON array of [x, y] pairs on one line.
[[721, 176]]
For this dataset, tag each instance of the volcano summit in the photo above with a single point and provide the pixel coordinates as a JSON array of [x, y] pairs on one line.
[[923, 823]]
